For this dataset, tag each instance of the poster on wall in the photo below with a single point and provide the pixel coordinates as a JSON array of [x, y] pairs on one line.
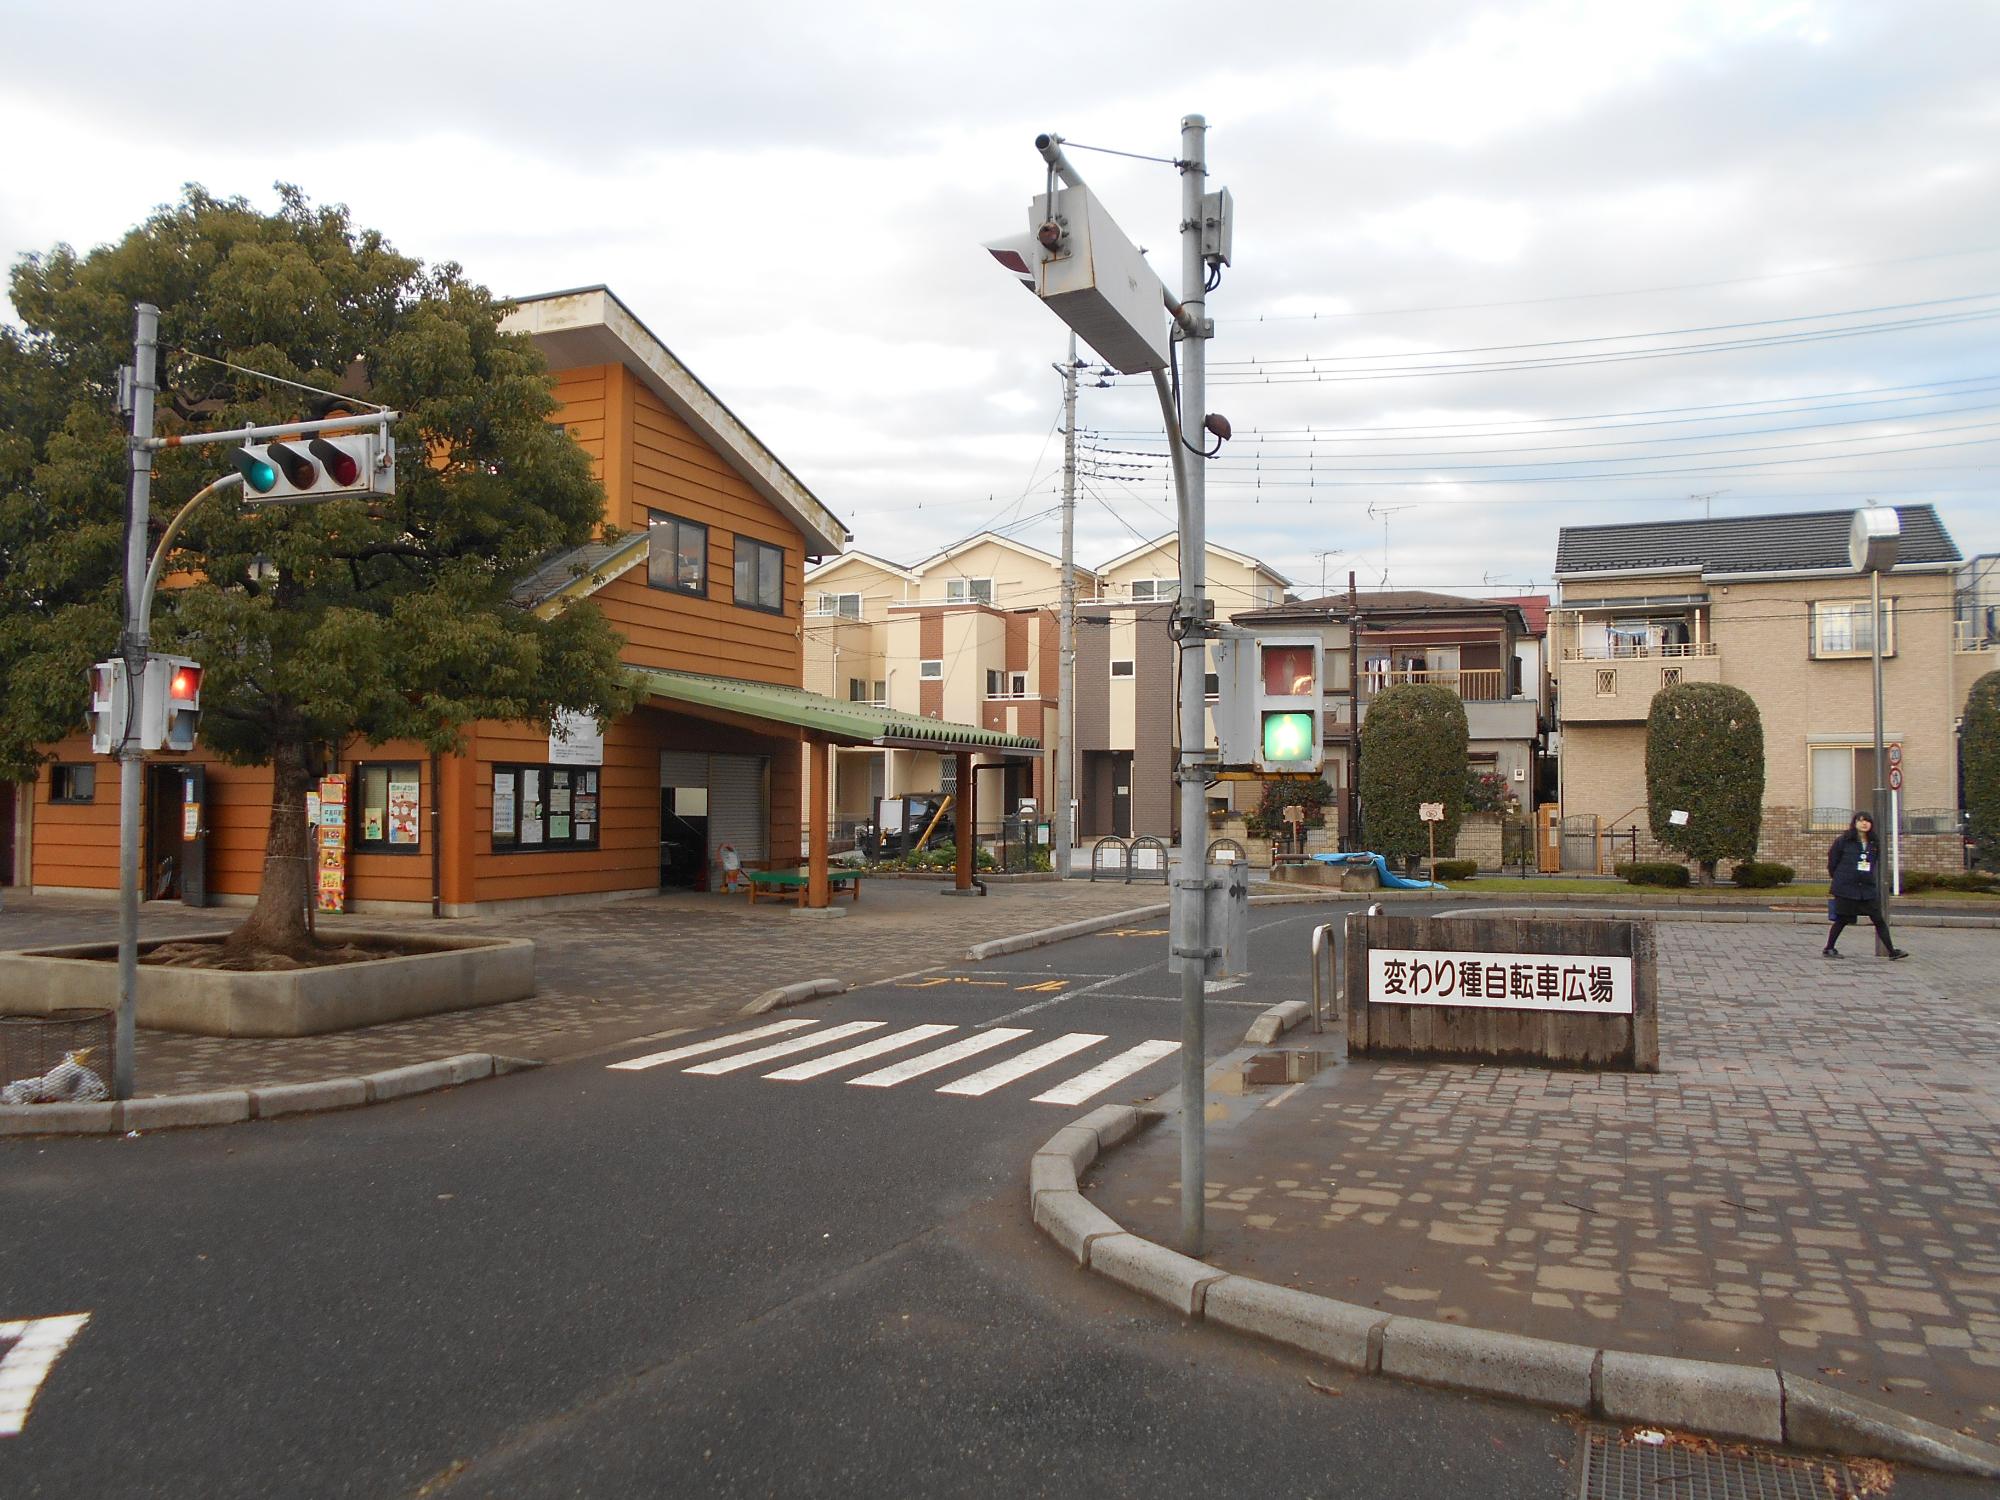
[[403, 810], [575, 740], [332, 844], [531, 807], [371, 824], [503, 805]]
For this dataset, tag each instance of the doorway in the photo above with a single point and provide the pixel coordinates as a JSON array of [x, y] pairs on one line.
[[176, 824], [7, 795], [684, 837]]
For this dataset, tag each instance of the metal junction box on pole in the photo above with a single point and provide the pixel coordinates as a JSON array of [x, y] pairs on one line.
[[1227, 899]]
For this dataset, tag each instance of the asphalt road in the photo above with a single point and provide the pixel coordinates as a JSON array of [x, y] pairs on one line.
[[589, 1280]]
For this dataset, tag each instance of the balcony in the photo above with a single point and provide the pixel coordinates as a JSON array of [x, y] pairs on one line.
[[1473, 684], [1616, 684]]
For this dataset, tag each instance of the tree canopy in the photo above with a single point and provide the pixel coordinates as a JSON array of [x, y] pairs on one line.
[[1412, 752], [372, 618], [1705, 757]]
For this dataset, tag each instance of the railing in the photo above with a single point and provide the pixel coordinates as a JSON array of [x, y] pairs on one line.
[[1627, 651], [1474, 684], [1013, 697], [1967, 635]]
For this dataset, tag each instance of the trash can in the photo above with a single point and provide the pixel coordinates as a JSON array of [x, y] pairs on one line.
[[31, 1045]]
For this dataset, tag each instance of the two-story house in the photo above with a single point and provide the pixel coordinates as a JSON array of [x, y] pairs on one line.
[[1769, 604], [702, 577]]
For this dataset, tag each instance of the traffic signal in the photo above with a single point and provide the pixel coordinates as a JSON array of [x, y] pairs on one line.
[[182, 701], [1268, 712], [317, 468], [107, 705]]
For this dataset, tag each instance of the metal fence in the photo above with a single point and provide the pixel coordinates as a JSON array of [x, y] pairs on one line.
[[31, 1045]]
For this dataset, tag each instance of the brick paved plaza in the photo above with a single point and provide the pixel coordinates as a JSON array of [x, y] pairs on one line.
[[1812, 1181], [604, 974]]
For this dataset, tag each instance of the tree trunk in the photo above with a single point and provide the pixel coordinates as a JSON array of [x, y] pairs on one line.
[[277, 924]]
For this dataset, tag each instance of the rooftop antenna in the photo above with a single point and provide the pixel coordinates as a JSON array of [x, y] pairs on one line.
[[1383, 512], [1323, 554], [1708, 503]]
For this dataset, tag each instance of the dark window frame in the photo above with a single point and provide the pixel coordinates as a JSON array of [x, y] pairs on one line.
[[356, 814], [666, 520], [570, 845], [750, 546], [72, 767]]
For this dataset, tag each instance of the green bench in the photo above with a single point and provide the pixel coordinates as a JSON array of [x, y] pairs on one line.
[[790, 885]]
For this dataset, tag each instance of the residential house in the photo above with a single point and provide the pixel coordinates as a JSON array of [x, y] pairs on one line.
[[1769, 604]]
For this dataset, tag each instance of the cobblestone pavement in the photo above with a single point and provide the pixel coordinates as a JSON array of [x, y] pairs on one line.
[[604, 974], [1812, 1182]]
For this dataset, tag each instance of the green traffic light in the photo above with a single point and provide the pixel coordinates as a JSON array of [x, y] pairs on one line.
[[257, 474], [1288, 736]]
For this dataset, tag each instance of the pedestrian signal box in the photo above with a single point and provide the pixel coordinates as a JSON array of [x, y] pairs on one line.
[[1268, 711]]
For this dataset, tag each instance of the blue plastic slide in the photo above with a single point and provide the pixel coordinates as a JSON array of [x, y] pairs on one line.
[[1389, 882]]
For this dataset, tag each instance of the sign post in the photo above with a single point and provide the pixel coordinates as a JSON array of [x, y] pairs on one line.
[[1432, 814]]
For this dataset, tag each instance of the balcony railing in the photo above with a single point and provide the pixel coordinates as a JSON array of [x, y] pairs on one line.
[[1968, 636], [1474, 684], [1629, 651]]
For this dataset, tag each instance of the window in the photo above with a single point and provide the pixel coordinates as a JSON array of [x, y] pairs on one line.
[[1607, 682], [1670, 677], [857, 690], [388, 807], [1211, 686], [760, 575], [932, 669], [1155, 590], [1123, 669], [1017, 684], [968, 591], [677, 555], [1002, 684], [1841, 774], [544, 808], [75, 783], [1843, 628], [846, 606]]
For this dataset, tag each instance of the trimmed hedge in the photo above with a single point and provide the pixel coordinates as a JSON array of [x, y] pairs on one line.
[[1979, 756], [1412, 752], [1762, 873], [1705, 758], [1652, 874], [1457, 869], [1970, 880]]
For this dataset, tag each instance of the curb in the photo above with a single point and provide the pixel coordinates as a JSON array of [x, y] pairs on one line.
[[1727, 1401], [232, 1106], [1275, 1022], [794, 994]]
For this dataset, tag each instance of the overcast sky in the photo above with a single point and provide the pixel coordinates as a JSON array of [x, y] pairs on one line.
[[794, 197]]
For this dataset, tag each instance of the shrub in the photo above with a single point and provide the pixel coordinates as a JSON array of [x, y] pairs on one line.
[[1485, 791], [1705, 757], [1758, 874], [1457, 869], [1969, 880], [1979, 754], [1652, 874], [1269, 818], [1412, 752]]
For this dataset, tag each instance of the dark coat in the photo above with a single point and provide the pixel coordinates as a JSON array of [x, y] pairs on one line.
[[1845, 867]]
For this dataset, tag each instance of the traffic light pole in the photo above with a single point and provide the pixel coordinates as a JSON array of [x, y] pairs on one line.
[[1066, 685], [1190, 907], [134, 648]]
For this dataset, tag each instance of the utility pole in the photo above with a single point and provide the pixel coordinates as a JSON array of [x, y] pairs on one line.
[[1066, 687], [135, 648], [1191, 937], [1353, 709]]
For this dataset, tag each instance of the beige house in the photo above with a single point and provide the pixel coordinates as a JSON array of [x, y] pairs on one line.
[[1771, 605], [1151, 572]]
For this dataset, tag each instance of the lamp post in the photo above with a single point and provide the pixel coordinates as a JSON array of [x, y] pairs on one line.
[[1872, 542]]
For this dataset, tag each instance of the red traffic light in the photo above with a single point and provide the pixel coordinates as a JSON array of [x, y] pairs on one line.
[[301, 473], [185, 684], [341, 466]]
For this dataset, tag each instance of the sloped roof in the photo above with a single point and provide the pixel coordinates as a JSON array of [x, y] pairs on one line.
[[850, 723], [578, 572], [1534, 609], [964, 544], [1810, 541], [1380, 601], [1172, 538], [855, 554]]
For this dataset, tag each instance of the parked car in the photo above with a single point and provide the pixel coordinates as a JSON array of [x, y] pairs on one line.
[[901, 822]]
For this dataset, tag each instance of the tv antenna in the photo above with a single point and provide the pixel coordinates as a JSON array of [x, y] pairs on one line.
[[1323, 554], [1377, 511], [1708, 503]]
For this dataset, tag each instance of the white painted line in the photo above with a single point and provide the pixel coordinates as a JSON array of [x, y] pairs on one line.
[[1003, 1073], [38, 1344], [1096, 1080], [787, 1048], [800, 1071], [714, 1044], [944, 1057], [1088, 989]]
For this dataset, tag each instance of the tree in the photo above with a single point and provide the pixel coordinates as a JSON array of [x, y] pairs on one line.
[[382, 619], [1705, 757], [1412, 752], [1980, 755]]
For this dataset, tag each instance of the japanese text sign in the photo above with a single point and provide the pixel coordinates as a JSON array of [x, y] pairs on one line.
[[1585, 984]]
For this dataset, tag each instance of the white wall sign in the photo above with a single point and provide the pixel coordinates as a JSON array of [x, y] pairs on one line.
[[575, 740], [1583, 984]]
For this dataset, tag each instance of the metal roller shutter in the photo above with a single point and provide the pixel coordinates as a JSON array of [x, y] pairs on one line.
[[683, 768], [738, 808]]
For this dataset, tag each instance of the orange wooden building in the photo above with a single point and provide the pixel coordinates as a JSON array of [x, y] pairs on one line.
[[705, 587]]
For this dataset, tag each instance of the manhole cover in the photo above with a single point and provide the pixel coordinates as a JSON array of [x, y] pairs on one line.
[[1622, 1465]]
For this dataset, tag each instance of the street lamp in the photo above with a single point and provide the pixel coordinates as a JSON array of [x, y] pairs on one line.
[[1872, 542]]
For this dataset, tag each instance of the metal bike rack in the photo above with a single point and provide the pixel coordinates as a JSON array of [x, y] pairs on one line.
[[1337, 981]]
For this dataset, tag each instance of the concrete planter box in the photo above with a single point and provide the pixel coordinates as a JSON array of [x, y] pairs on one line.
[[454, 973]]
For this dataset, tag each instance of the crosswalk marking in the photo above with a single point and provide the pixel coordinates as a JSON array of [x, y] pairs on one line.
[[798, 1072], [944, 1057], [787, 1048], [715, 1044], [1002, 1073], [1108, 1072], [37, 1344]]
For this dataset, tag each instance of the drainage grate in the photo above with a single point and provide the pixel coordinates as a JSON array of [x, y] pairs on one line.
[[1618, 1465]]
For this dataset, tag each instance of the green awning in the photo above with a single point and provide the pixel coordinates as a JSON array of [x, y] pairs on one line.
[[833, 718]]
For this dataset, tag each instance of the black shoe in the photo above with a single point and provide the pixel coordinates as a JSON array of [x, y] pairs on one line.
[[1829, 953], [1898, 953]]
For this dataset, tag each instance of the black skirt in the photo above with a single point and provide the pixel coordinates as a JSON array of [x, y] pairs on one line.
[[1847, 906]]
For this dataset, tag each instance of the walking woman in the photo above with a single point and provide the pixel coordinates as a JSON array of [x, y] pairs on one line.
[[1853, 865]]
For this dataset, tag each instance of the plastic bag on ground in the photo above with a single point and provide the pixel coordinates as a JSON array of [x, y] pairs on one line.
[[68, 1082]]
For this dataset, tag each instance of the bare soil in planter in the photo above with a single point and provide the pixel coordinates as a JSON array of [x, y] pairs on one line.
[[212, 953]]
